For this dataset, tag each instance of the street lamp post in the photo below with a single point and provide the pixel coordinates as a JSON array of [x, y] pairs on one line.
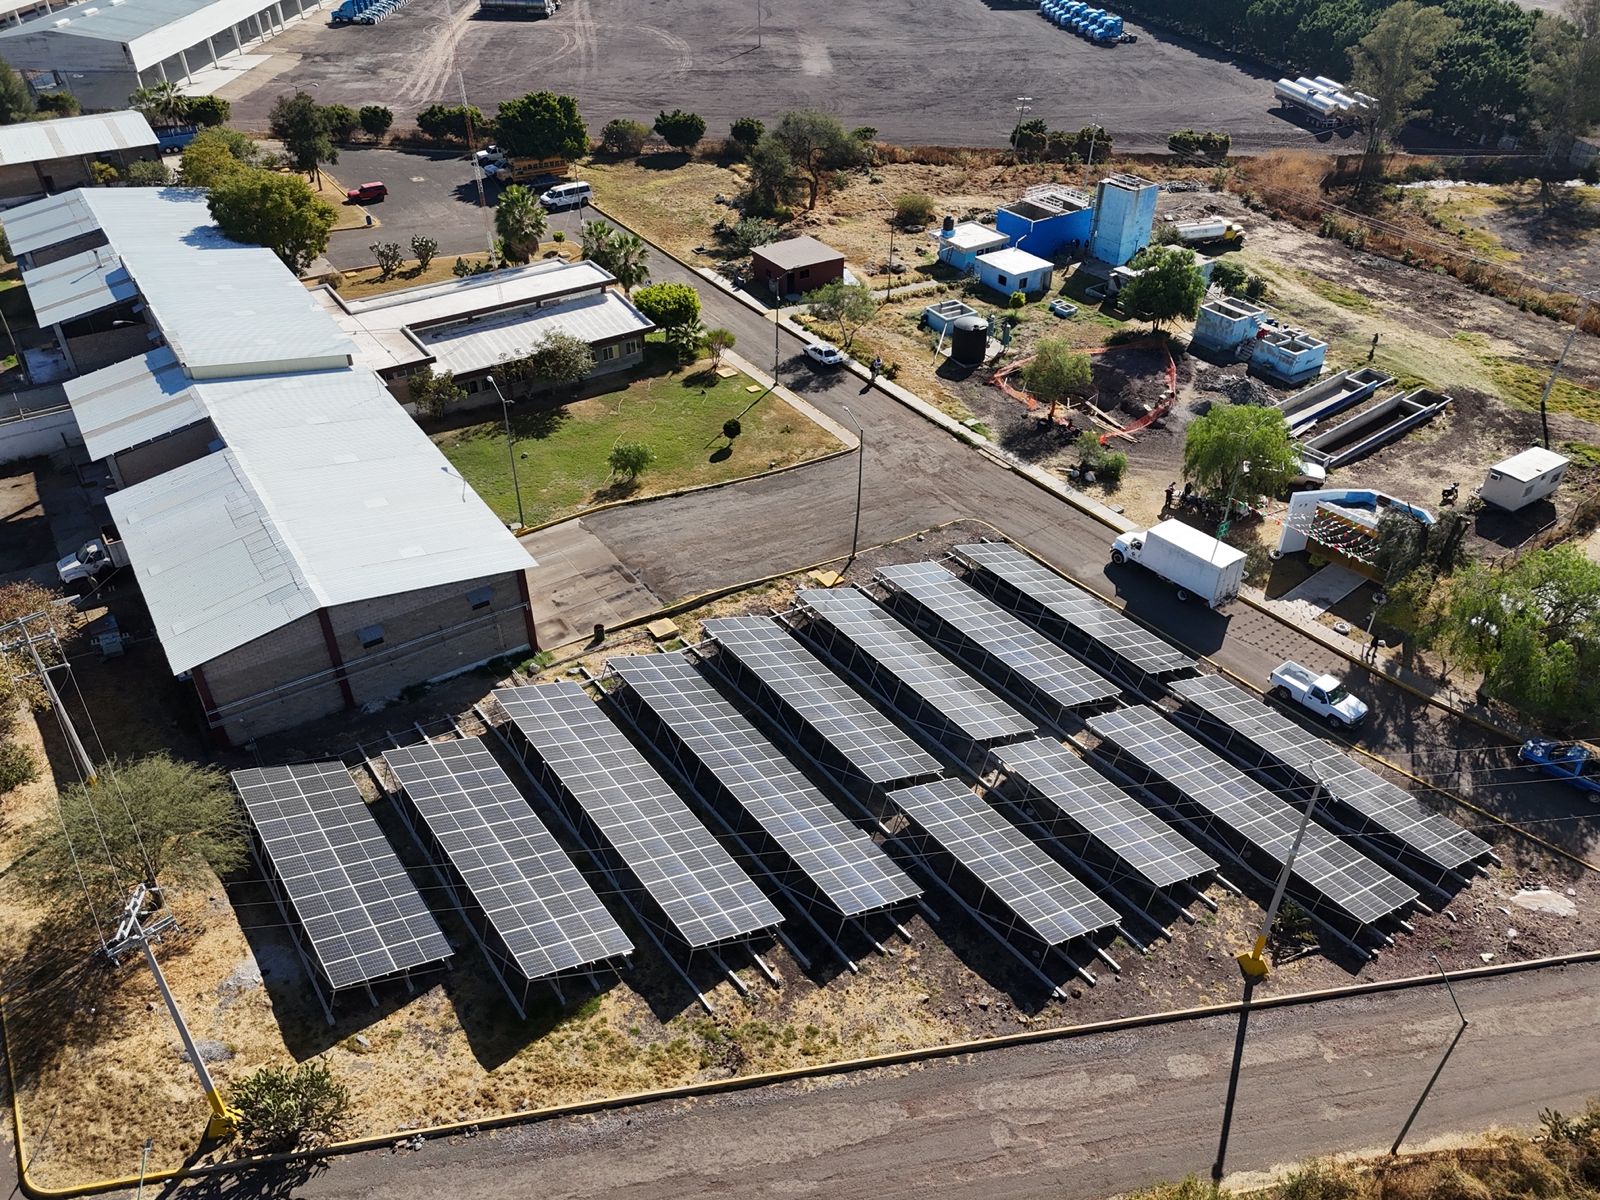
[[511, 449], [861, 464], [1023, 105], [777, 326]]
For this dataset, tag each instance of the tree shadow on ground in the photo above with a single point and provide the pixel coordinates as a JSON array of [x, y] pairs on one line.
[[617, 489], [279, 1181], [663, 160]]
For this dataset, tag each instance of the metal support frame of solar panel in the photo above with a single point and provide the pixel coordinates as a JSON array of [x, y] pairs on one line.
[[632, 815], [1091, 815], [914, 678], [1033, 898], [357, 917], [761, 794], [1333, 881], [535, 915], [1104, 637], [790, 686], [971, 627], [1252, 731]]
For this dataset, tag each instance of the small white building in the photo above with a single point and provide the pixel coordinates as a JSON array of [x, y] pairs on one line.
[[1523, 479], [1013, 270], [960, 245]]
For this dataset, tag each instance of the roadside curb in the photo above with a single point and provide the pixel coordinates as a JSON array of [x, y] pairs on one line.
[[748, 1082]]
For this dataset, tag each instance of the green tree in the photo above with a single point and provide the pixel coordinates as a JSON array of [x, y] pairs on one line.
[[58, 104], [913, 208], [818, 146], [103, 174], [154, 819], [746, 132], [559, 361], [1169, 286], [161, 103], [375, 120], [1030, 137], [668, 304], [751, 232], [520, 222], [207, 112], [686, 340], [150, 172], [423, 249], [850, 306], [629, 460], [628, 257], [16, 102], [594, 241], [215, 154], [1057, 373], [17, 766], [341, 120], [1229, 276], [1565, 83], [772, 180], [388, 256], [451, 120], [542, 125], [719, 341], [1394, 65], [301, 125], [1236, 448], [680, 130], [434, 395], [282, 1107], [624, 137], [280, 212]]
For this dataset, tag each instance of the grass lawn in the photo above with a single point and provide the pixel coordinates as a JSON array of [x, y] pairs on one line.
[[561, 452]]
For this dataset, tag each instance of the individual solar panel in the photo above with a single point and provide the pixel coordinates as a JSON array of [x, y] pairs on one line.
[[362, 916], [845, 865], [703, 893], [1392, 809], [1043, 591], [536, 903], [1071, 790], [991, 633], [1019, 876], [1354, 884], [822, 702], [929, 676]]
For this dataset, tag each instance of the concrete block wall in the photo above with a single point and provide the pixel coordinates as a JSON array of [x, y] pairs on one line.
[[158, 457], [293, 660]]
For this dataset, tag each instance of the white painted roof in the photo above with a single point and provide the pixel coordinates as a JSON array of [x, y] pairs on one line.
[[49, 222], [69, 137], [969, 235], [78, 285], [1530, 464], [152, 30], [133, 402], [477, 345], [453, 298], [1015, 262], [326, 494]]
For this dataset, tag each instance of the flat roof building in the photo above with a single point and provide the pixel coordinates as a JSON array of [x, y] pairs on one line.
[[796, 265], [40, 157], [1012, 270]]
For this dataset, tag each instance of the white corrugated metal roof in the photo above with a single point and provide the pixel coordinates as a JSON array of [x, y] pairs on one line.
[[48, 222], [152, 30], [969, 235], [77, 286], [133, 402], [1015, 262], [327, 494], [478, 345], [1531, 463], [69, 137], [447, 301]]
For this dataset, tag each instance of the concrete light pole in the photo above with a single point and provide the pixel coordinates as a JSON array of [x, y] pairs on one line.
[[1023, 105], [511, 449], [1549, 384]]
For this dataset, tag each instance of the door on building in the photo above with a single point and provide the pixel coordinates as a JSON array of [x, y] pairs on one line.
[[788, 283]]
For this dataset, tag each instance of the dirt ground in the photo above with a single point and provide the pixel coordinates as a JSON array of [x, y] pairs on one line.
[[1509, 223], [25, 538], [93, 1047]]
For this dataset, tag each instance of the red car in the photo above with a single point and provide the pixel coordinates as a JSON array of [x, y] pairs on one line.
[[366, 193]]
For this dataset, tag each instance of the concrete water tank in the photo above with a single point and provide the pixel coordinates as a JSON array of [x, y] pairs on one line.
[[969, 340]]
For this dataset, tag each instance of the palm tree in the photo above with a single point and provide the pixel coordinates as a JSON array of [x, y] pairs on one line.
[[520, 222], [628, 254], [162, 102]]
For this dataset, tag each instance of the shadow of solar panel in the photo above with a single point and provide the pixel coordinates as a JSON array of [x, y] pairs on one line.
[[1375, 799], [1060, 598], [835, 713], [532, 897], [1019, 876], [703, 893], [1352, 883], [936, 681], [361, 914], [844, 864], [1067, 787]]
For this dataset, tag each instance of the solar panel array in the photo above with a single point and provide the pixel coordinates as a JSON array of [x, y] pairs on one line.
[[846, 866], [703, 893], [1030, 884], [1364, 891], [820, 700], [362, 916], [936, 681], [1392, 809], [538, 905], [984, 626], [1070, 788], [1061, 598]]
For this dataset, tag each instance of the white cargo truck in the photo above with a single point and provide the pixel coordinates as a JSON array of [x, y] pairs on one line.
[[98, 555], [1198, 564]]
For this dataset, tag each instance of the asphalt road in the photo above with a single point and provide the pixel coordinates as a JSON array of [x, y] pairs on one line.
[[1081, 1118]]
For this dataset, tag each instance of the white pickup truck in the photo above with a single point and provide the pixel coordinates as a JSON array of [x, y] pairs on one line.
[[1324, 695], [97, 555]]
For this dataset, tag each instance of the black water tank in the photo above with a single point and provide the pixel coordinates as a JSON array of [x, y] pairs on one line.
[[949, 225], [969, 340]]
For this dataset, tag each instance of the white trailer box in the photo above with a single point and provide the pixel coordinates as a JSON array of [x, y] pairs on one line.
[[1197, 563], [1524, 479]]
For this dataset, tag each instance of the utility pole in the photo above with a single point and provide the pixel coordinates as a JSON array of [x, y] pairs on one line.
[[1439, 1070], [1549, 384], [1023, 105], [861, 465], [131, 933], [511, 449], [888, 290], [777, 326], [85, 763]]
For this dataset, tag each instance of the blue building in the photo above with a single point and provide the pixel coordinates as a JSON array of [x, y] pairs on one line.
[[1050, 221], [1227, 324], [1124, 214], [1013, 270], [960, 245]]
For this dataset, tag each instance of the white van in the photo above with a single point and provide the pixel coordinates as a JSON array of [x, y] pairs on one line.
[[567, 195]]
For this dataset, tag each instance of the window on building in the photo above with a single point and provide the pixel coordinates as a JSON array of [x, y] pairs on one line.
[[607, 353], [480, 597], [472, 387], [1528, 491], [370, 636], [805, 272], [1001, 280], [631, 346], [1022, 283]]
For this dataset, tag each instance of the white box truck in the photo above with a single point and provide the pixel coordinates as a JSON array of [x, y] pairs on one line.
[[1195, 562], [97, 555]]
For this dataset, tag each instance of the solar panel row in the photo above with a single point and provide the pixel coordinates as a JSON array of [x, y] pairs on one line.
[[1358, 887], [362, 916], [704, 895], [844, 864]]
